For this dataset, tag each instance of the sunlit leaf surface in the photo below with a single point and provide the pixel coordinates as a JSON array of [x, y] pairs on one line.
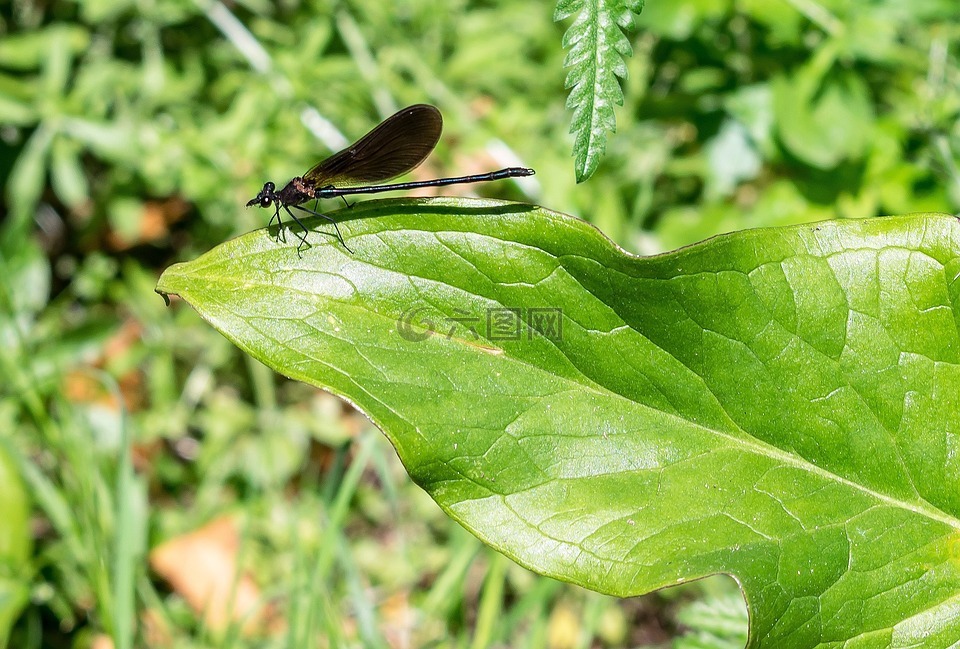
[[780, 405]]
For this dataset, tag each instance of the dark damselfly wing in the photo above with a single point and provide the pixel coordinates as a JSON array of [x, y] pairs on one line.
[[394, 147]]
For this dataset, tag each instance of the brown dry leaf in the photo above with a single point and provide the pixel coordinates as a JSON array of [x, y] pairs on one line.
[[125, 337], [399, 620], [481, 106], [154, 629], [82, 386], [202, 567], [101, 642], [155, 223]]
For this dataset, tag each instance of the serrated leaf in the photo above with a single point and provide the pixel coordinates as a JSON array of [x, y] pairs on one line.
[[597, 48], [780, 405]]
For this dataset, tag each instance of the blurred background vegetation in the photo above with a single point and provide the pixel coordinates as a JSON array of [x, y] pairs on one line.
[[142, 456]]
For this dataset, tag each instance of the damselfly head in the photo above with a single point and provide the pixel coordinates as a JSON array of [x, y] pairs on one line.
[[265, 197]]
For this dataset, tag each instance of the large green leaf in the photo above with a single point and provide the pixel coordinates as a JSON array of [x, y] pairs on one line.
[[780, 405]]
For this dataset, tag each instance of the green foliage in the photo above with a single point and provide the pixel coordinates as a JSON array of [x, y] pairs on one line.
[[715, 623], [15, 541], [773, 404], [130, 133], [597, 47]]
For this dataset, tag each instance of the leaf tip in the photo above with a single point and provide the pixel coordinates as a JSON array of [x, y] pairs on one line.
[[170, 282]]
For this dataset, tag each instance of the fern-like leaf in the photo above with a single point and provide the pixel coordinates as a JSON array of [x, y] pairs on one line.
[[597, 47]]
